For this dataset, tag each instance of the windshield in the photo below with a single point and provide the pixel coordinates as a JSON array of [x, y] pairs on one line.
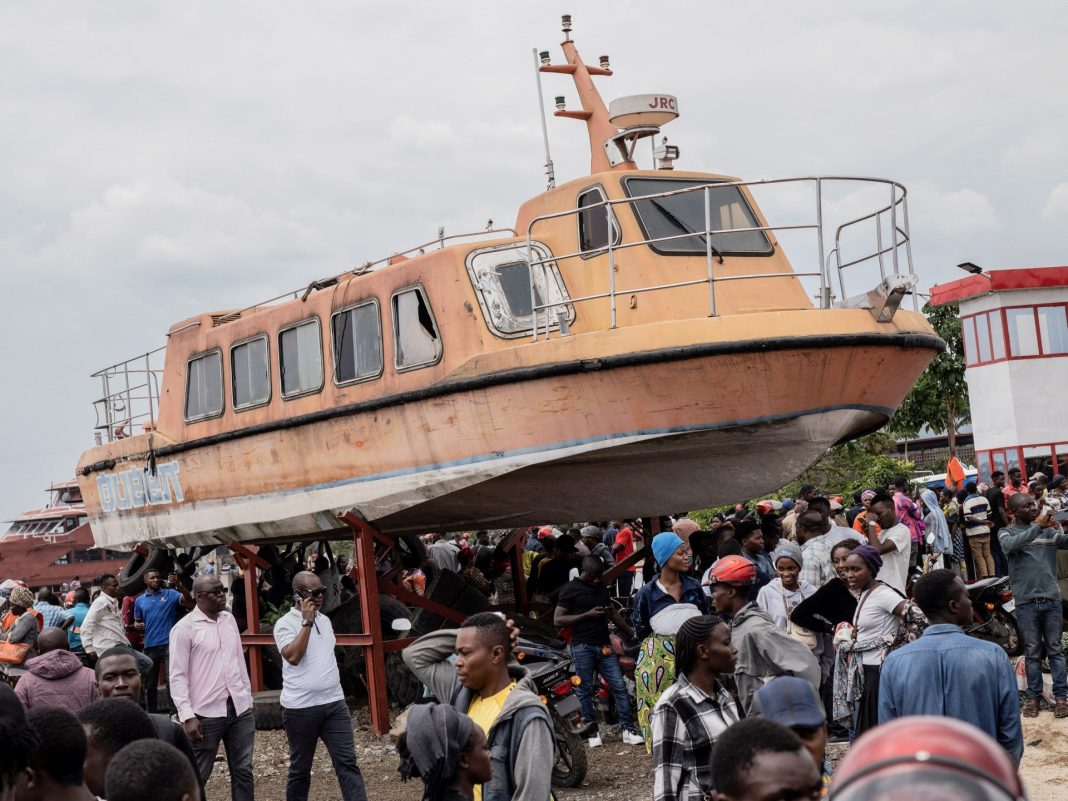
[[685, 213]]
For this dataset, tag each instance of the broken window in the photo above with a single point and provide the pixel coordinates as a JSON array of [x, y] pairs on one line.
[[502, 276], [415, 337], [593, 222]]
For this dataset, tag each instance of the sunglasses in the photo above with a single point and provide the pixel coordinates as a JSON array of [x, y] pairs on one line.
[[319, 593]]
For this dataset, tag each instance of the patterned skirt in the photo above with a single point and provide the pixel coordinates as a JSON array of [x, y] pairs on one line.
[[654, 672]]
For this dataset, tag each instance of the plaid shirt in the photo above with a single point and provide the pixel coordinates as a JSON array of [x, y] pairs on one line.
[[686, 723], [818, 569]]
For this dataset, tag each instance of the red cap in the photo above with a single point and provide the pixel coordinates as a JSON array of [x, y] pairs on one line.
[[913, 753], [733, 570], [544, 532]]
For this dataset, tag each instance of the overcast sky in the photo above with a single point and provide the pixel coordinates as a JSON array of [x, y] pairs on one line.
[[162, 159]]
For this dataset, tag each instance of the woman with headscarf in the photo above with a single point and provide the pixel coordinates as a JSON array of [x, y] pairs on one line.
[[446, 750], [935, 524], [660, 608], [782, 594], [862, 647], [20, 623], [693, 712]]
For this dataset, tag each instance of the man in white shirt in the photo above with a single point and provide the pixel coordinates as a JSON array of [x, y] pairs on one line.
[[103, 629], [894, 542], [444, 555], [313, 703]]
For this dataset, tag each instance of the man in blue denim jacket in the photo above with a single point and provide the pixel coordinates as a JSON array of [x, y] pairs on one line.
[[947, 673], [1031, 548]]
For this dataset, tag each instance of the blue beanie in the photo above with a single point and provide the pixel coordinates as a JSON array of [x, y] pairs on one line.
[[664, 545]]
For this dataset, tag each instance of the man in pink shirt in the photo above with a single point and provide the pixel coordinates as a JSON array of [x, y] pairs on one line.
[[210, 686]]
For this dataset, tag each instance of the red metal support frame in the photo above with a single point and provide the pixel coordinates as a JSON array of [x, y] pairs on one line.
[[367, 586]]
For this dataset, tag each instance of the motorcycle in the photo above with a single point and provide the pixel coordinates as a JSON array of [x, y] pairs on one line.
[[993, 607], [551, 671], [604, 699]]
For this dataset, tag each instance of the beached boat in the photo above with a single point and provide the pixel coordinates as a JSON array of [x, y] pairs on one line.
[[638, 343], [53, 545]]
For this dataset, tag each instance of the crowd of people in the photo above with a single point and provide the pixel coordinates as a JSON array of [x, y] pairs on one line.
[[780, 627]]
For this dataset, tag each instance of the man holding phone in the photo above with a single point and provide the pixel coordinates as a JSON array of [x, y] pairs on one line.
[[585, 607], [313, 703]]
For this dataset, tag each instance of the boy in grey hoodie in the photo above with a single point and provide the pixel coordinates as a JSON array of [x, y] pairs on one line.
[[498, 694]]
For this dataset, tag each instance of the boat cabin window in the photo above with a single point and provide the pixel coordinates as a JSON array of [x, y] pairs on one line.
[[593, 222], [357, 343], [415, 337], [300, 359], [250, 373], [502, 277], [204, 390], [678, 215]]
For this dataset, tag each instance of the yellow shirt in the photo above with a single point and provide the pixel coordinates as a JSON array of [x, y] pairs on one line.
[[484, 712]]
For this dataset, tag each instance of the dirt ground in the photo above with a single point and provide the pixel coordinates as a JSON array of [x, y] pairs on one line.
[[617, 772]]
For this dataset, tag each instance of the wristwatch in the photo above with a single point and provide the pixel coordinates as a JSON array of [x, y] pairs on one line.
[[307, 624]]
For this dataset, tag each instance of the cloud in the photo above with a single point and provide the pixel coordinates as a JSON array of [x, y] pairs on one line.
[[1056, 208], [954, 212]]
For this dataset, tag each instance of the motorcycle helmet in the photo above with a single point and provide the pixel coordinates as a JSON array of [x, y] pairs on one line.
[[736, 570], [926, 757]]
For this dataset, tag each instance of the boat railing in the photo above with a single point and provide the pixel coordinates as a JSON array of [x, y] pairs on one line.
[[371, 266], [879, 235], [129, 396]]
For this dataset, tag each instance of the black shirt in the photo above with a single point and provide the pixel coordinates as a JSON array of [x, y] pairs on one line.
[[996, 499], [578, 597]]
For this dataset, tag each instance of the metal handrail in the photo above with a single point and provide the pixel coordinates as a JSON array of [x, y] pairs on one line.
[[131, 393], [901, 238], [366, 267]]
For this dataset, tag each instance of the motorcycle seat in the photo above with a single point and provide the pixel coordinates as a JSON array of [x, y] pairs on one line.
[[982, 584]]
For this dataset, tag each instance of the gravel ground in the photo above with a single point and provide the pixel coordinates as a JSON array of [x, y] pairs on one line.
[[616, 772]]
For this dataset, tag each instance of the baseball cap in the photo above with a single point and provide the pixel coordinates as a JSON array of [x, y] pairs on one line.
[[791, 701]]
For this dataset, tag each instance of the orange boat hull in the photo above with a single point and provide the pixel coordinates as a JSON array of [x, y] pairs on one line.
[[697, 422]]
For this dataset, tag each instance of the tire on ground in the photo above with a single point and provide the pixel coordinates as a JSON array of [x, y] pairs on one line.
[[403, 687], [267, 710], [132, 575]]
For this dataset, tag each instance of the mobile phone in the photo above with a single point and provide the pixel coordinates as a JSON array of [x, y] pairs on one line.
[[298, 598]]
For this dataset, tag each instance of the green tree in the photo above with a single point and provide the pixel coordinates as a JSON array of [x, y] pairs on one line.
[[939, 400]]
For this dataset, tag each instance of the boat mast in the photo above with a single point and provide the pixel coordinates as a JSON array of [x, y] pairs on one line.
[[601, 131], [543, 58]]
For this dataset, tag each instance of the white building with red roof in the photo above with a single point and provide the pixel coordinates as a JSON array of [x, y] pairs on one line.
[[1015, 329]]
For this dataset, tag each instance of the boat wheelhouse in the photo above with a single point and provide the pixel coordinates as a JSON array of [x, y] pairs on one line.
[[638, 341]]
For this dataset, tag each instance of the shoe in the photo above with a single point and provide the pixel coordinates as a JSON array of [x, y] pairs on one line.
[[1030, 709], [1060, 708], [595, 741], [633, 738]]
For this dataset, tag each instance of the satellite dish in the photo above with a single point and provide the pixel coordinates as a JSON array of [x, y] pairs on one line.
[[643, 110]]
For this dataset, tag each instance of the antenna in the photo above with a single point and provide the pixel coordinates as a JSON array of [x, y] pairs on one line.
[[538, 60]]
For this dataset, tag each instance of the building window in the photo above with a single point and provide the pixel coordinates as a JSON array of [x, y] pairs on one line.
[[300, 359], [997, 335], [204, 390], [1061, 449], [415, 337], [357, 336], [982, 337], [1023, 338], [250, 373], [1053, 327], [1038, 459], [971, 354], [593, 222]]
